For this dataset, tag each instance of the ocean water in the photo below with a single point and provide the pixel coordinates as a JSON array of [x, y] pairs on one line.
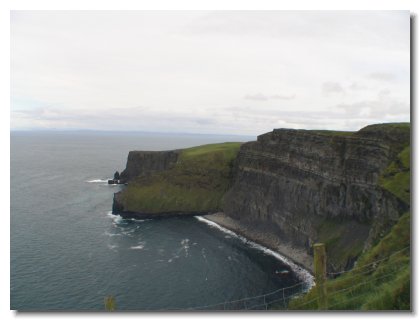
[[68, 252]]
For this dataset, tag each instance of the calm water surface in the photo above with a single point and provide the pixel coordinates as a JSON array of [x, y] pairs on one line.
[[68, 252]]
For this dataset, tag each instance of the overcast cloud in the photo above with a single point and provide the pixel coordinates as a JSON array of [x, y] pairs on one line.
[[209, 72]]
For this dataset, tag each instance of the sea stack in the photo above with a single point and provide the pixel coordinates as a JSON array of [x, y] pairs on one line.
[[116, 179]]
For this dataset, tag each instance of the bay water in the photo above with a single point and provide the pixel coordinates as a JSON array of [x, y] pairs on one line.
[[68, 252]]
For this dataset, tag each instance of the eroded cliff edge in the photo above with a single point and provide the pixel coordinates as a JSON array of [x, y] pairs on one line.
[[288, 189], [148, 162], [172, 183], [304, 187]]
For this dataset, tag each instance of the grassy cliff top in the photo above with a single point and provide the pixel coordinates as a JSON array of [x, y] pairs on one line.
[[197, 183], [376, 131], [396, 128]]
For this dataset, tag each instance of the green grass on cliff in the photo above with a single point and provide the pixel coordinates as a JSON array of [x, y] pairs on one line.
[[333, 133], [389, 126], [380, 128], [196, 183], [396, 178], [379, 281], [343, 238]]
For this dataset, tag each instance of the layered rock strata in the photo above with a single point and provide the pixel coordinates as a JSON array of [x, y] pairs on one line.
[[307, 186], [141, 163]]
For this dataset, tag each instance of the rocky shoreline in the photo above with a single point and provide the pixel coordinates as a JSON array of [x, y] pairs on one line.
[[266, 239]]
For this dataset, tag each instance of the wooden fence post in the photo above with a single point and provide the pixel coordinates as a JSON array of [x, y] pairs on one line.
[[320, 266]]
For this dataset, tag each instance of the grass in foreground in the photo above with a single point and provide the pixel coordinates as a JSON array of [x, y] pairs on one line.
[[379, 281], [196, 183]]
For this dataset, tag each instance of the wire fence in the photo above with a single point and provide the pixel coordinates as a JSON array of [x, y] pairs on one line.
[[358, 287], [281, 297], [259, 302], [356, 268]]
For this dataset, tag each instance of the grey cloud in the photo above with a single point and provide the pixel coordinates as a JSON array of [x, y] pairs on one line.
[[375, 108], [332, 87], [326, 119], [344, 116], [382, 76]]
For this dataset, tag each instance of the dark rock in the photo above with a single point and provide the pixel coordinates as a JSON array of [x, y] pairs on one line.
[[147, 162], [116, 179], [294, 182], [116, 175], [117, 205]]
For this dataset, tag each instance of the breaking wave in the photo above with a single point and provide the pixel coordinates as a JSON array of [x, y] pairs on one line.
[[97, 181], [303, 274], [139, 246]]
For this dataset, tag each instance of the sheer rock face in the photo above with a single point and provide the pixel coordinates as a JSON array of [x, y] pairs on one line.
[[148, 162], [293, 181]]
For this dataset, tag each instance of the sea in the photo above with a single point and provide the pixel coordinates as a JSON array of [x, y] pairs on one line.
[[68, 252]]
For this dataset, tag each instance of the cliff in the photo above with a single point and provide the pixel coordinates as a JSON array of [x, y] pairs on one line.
[[288, 189], [170, 183], [140, 163], [319, 186]]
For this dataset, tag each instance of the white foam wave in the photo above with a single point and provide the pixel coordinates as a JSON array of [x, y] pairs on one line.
[[117, 218], [302, 274], [137, 220], [138, 247], [97, 181]]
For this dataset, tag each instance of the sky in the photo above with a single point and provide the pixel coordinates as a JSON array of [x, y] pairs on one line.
[[237, 72]]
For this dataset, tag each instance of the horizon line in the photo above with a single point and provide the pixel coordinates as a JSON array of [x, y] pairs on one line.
[[128, 131]]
